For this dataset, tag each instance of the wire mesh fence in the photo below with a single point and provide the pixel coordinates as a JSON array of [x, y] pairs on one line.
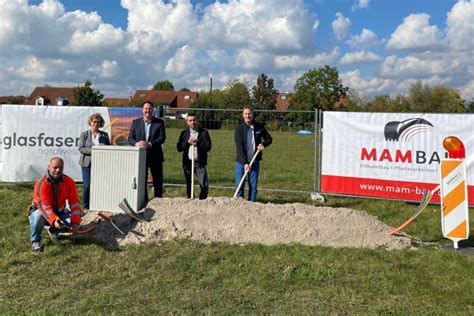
[[290, 164]]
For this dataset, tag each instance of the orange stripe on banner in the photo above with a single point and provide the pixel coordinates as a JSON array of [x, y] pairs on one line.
[[448, 165], [460, 231], [454, 198]]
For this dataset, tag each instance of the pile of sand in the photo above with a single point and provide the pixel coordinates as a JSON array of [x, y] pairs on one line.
[[239, 222]]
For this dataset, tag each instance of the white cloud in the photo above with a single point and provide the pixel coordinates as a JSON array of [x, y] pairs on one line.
[[103, 38], [22, 25], [297, 61], [32, 69], [360, 4], [366, 39], [460, 26], [359, 57], [377, 86], [232, 39], [156, 26], [413, 66], [415, 33], [41, 30], [252, 60], [51, 8], [185, 64], [354, 80], [341, 26], [108, 69], [81, 21], [278, 26]]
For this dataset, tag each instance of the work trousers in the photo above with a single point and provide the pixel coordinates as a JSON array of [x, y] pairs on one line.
[[252, 179], [201, 175], [156, 168], [86, 189], [37, 223]]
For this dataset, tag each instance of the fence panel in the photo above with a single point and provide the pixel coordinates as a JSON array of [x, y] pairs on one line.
[[288, 165]]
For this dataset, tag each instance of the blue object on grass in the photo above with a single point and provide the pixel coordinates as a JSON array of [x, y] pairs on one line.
[[304, 132]]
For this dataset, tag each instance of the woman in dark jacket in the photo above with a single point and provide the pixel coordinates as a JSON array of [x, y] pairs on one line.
[[92, 137]]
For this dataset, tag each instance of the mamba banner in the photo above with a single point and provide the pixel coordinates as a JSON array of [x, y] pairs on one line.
[[32, 135], [391, 155]]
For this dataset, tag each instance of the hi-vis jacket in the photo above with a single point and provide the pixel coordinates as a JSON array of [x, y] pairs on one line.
[[50, 196]]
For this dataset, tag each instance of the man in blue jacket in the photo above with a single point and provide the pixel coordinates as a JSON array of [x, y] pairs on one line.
[[250, 138], [149, 132]]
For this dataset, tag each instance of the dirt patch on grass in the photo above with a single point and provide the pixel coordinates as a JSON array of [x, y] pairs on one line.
[[239, 222]]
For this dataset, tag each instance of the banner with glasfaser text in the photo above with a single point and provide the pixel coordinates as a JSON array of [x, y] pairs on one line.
[[391, 155], [32, 135]]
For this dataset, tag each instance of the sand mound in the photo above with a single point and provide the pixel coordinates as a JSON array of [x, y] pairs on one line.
[[239, 222]]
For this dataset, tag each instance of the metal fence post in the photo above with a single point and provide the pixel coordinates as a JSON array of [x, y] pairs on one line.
[[316, 194]]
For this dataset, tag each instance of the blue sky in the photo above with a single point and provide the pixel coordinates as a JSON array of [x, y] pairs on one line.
[[379, 47]]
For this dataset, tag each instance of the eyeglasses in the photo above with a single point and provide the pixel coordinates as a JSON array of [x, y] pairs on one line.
[[97, 122]]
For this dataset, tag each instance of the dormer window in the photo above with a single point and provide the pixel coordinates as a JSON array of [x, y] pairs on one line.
[[62, 101], [39, 101], [186, 97]]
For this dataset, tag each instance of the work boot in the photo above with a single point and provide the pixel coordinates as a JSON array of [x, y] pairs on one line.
[[36, 247], [53, 233]]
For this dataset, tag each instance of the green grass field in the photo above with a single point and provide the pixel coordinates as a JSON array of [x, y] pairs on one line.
[[287, 164], [81, 276]]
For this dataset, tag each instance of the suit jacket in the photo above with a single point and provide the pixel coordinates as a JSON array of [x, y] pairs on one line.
[[85, 146], [204, 145], [262, 136], [156, 137]]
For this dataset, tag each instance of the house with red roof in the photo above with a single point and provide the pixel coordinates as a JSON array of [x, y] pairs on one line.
[[51, 96]]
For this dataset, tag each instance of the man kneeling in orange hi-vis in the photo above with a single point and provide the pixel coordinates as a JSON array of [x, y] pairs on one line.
[[51, 192]]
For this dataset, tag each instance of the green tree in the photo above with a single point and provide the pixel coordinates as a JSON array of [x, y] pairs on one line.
[[264, 94], [318, 88], [379, 103], [86, 96], [185, 89], [205, 101], [164, 85], [19, 99], [437, 99], [209, 100], [355, 101], [470, 106], [399, 104], [235, 95]]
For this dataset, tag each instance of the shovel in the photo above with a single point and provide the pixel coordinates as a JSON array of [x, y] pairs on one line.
[[246, 172], [192, 171]]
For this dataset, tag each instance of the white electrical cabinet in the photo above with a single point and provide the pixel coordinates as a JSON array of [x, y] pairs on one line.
[[117, 172]]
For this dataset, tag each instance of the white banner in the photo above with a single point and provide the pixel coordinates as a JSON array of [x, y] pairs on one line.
[[32, 135], [391, 155]]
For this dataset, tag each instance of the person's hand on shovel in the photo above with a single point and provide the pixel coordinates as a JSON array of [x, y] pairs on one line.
[[260, 148]]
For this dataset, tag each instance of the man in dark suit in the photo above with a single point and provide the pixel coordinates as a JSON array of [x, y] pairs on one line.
[[195, 138], [149, 132]]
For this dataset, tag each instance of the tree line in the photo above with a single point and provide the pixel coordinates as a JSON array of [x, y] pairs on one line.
[[319, 88]]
